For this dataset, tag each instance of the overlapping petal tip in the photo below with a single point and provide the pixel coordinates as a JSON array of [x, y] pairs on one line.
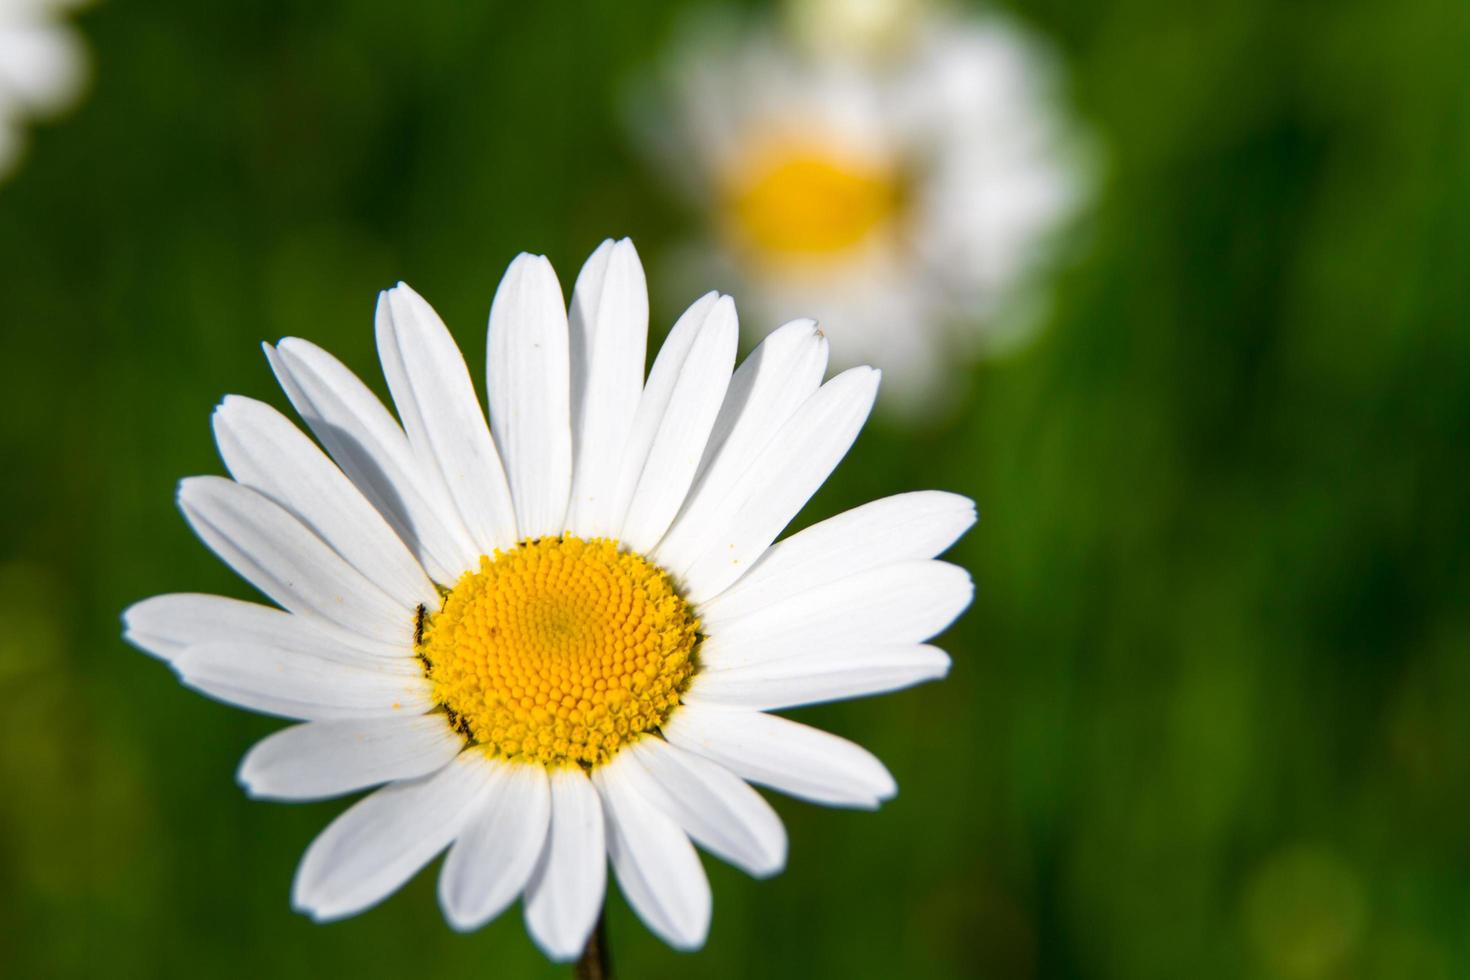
[[785, 755], [300, 685], [168, 625], [903, 602], [768, 387], [441, 415], [905, 527], [263, 450], [718, 809], [322, 759], [685, 390], [275, 552], [383, 840], [164, 626], [827, 675], [367, 443], [781, 477], [491, 862], [656, 865]]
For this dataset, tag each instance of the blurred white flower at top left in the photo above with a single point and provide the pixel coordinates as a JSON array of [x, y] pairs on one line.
[[43, 69]]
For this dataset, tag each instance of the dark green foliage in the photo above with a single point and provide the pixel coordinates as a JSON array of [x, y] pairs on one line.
[[1208, 716]]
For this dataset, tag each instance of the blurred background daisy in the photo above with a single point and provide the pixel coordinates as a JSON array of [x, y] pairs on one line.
[[897, 169], [43, 69], [1206, 717]]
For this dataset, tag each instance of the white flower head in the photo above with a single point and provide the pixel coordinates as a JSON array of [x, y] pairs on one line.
[[556, 637], [43, 68], [897, 171]]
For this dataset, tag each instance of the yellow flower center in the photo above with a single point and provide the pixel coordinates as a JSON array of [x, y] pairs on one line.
[[560, 651], [807, 201]]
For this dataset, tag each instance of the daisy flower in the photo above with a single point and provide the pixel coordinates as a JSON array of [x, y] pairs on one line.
[[555, 637], [42, 68], [895, 170]]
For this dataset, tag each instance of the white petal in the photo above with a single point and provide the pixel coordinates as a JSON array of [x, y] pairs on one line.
[[681, 401], [907, 526], [274, 552], [492, 860], [43, 65], [368, 852], [264, 451], [321, 759], [294, 684], [769, 386], [529, 381], [828, 675], [436, 400], [653, 401], [565, 892], [657, 868], [783, 476], [372, 450], [609, 340], [716, 807], [783, 754], [906, 602], [167, 625]]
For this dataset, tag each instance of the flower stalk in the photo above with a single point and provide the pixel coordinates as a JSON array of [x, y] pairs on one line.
[[595, 964]]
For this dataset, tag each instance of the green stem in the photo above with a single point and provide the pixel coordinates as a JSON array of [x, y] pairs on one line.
[[595, 964]]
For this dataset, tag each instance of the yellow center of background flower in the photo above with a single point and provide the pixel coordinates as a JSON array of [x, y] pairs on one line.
[[808, 201], [560, 651]]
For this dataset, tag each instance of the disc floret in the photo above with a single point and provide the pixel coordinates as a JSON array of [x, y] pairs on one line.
[[560, 651]]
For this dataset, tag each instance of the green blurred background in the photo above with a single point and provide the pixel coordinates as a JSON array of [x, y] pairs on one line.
[[1210, 713]]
